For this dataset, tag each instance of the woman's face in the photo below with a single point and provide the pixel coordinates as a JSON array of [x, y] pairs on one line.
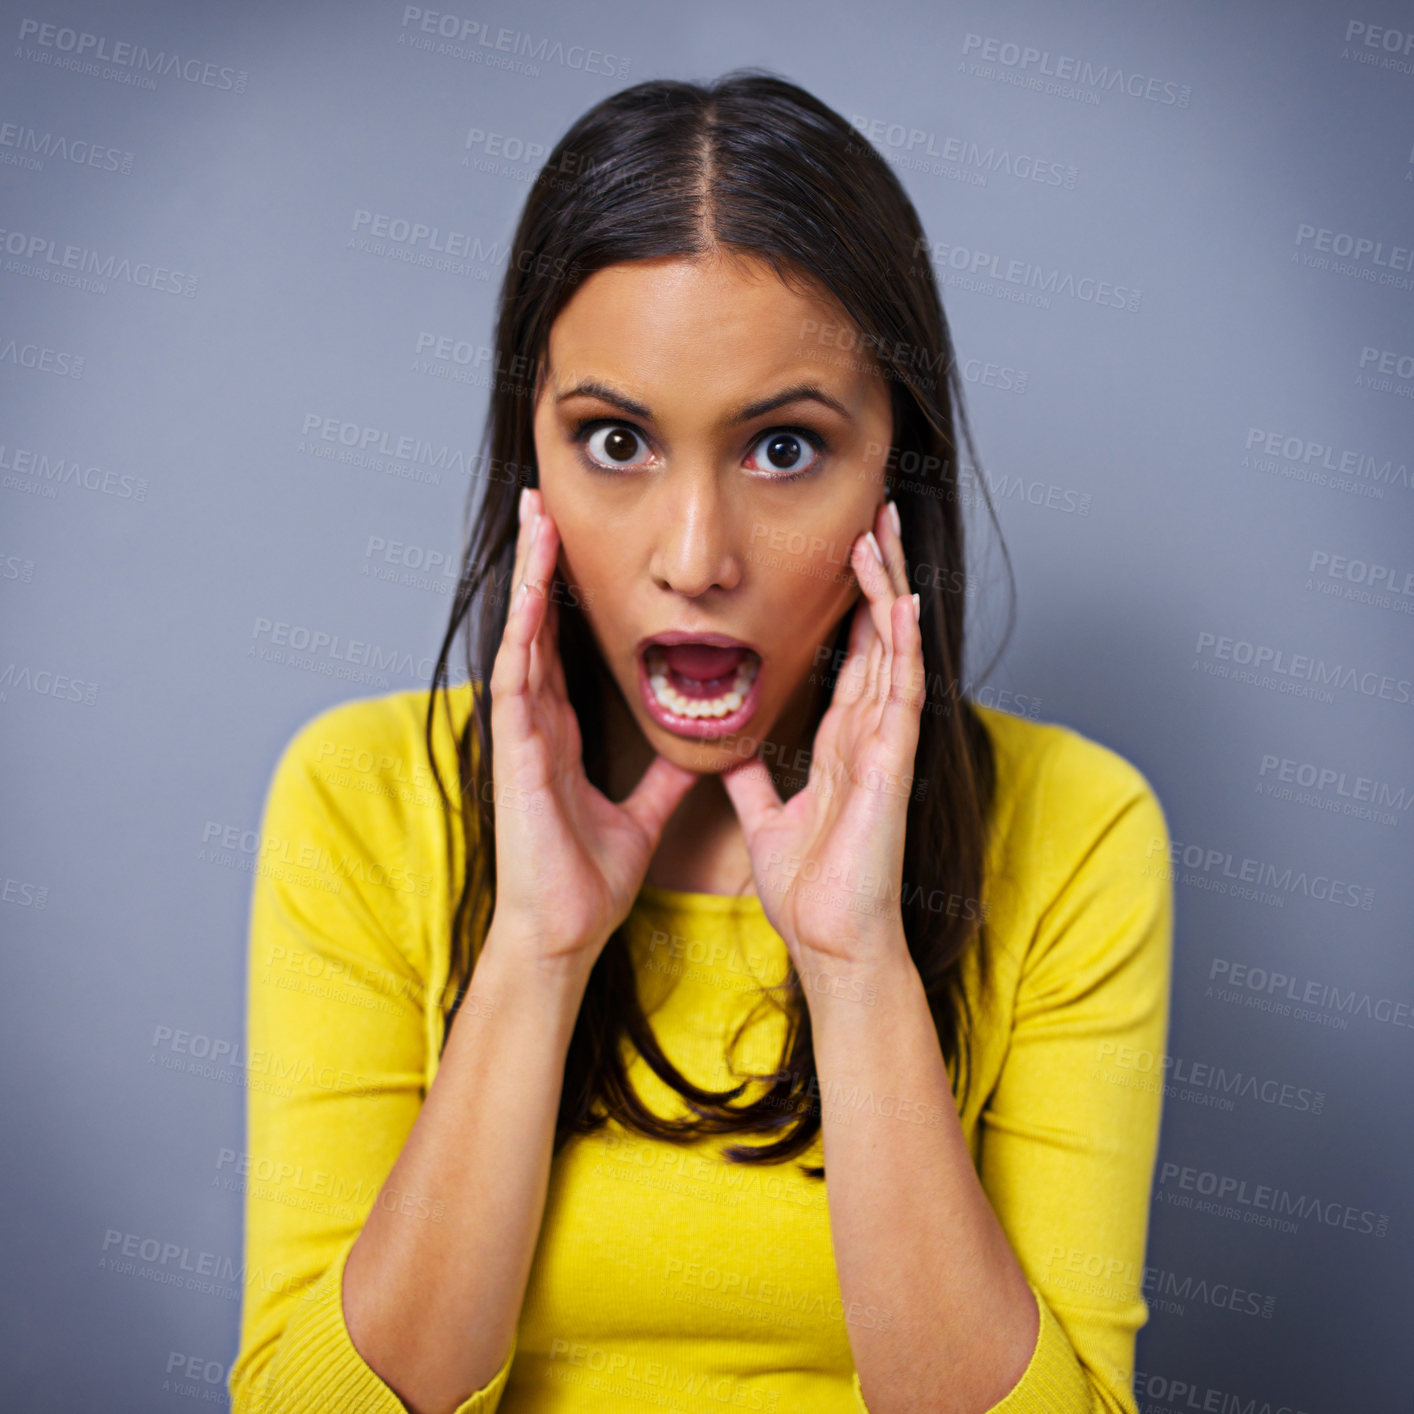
[[677, 401]]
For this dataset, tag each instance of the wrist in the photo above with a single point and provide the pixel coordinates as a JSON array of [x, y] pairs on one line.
[[830, 980], [511, 976]]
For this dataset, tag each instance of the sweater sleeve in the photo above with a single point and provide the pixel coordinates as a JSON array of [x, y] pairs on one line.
[[336, 1043], [1068, 1149]]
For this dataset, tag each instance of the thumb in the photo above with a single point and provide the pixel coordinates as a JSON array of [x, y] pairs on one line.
[[657, 795], [753, 793]]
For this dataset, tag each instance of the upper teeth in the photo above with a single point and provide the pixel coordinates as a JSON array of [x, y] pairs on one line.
[[674, 701]]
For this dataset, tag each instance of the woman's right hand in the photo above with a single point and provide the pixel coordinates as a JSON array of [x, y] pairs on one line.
[[569, 862]]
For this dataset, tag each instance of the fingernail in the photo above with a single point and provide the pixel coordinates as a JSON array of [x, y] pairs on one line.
[[893, 516], [917, 609], [519, 599], [535, 527], [524, 503], [874, 546]]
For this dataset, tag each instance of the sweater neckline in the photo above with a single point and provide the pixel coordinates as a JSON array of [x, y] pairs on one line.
[[688, 901]]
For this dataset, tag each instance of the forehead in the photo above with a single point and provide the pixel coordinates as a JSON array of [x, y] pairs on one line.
[[715, 327]]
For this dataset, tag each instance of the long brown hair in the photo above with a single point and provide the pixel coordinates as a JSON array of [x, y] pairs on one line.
[[756, 165]]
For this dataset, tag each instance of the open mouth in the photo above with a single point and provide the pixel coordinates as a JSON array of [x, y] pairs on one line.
[[699, 689]]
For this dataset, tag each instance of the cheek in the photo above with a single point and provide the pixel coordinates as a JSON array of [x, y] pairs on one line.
[[810, 599], [582, 568], [595, 566]]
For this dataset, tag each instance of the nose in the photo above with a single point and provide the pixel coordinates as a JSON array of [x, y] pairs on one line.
[[696, 538]]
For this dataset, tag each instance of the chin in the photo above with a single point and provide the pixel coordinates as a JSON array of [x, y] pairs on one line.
[[707, 755]]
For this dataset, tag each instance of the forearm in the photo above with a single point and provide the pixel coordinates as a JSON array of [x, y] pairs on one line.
[[431, 1306], [914, 1233]]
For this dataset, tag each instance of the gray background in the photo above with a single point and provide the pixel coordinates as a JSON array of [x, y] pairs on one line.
[[1168, 476]]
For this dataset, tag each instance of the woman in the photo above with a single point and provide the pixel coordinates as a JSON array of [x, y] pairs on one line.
[[746, 861]]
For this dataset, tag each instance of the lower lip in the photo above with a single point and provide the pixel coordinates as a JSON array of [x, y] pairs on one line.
[[699, 728]]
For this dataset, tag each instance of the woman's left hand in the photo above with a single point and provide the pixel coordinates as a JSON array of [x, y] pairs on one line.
[[829, 862]]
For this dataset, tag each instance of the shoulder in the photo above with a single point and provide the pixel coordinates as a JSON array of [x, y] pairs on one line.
[[358, 775], [1051, 770], [1074, 770], [376, 746], [355, 827], [1065, 804], [370, 727]]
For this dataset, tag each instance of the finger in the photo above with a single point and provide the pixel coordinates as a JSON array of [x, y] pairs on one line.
[[511, 673], [853, 676], [542, 654], [550, 642], [891, 543], [657, 795], [904, 706], [531, 507], [880, 665], [753, 794], [525, 512], [538, 578], [874, 580]]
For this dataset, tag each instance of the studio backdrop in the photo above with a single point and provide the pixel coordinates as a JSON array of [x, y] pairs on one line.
[[248, 261]]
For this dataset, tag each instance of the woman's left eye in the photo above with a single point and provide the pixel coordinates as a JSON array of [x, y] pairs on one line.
[[783, 452]]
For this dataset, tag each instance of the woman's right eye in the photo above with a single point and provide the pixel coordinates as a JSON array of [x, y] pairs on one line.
[[612, 444]]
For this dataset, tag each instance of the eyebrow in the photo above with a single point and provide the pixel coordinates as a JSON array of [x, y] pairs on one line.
[[796, 393]]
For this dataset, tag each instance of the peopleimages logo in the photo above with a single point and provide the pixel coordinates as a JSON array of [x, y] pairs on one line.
[[472, 40], [1366, 580], [1355, 256], [406, 456], [27, 147], [1116, 1278], [1265, 1204], [1275, 663], [1348, 472], [1019, 279], [1264, 987], [1360, 793], [40, 255], [80, 49], [55, 469], [1262, 874], [1379, 47], [1191, 1395], [1172, 1071], [404, 231], [909, 146], [40, 358], [1033, 65]]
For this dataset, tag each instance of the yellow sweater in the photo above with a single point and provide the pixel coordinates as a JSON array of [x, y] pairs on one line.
[[664, 1276]]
